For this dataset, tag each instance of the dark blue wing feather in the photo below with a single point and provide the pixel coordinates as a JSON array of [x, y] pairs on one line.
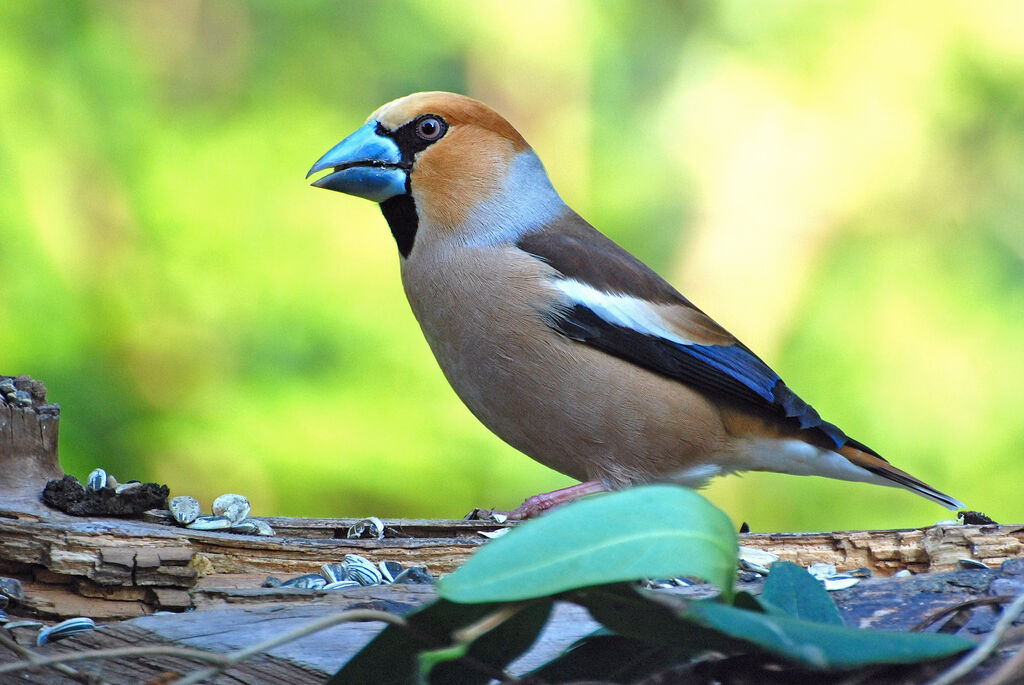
[[729, 370]]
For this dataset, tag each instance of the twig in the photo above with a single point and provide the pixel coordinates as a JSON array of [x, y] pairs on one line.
[[221, 661], [113, 653], [1008, 672], [235, 657], [466, 636], [487, 623], [973, 658], [34, 658], [969, 604]]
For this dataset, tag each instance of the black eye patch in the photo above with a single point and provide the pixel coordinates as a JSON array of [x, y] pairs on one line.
[[409, 140]]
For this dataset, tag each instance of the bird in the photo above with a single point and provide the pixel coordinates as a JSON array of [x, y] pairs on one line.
[[558, 340]]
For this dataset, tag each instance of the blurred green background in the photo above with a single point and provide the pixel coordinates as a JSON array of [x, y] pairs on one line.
[[839, 184]]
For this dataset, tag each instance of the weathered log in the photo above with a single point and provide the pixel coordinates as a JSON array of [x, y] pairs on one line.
[[142, 567], [232, 626], [28, 446], [920, 550], [113, 569]]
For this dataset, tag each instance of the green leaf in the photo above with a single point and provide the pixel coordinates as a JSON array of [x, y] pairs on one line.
[[615, 658], [425, 649], [429, 659], [797, 593], [819, 645], [649, 616], [651, 531], [498, 646], [696, 627], [745, 600], [391, 657]]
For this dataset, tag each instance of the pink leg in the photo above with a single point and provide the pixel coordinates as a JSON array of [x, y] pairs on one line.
[[538, 504]]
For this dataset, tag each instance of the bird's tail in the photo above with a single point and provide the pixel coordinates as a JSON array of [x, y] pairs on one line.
[[880, 467]]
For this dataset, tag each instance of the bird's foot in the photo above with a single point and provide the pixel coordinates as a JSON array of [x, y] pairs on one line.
[[538, 504]]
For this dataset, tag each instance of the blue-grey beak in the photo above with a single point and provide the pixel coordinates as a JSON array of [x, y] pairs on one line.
[[365, 164]]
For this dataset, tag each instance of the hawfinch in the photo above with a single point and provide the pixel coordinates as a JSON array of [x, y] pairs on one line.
[[566, 346]]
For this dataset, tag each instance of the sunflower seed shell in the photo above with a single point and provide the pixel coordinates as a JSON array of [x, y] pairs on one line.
[[64, 629], [310, 581], [211, 523], [97, 480], [234, 507], [184, 509]]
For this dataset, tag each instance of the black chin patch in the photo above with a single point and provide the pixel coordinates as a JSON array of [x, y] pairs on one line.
[[400, 213]]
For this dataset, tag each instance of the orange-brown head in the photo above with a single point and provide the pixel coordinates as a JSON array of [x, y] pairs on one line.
[[443, 159]]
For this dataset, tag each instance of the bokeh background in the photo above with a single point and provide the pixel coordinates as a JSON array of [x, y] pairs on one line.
[[839, 184]]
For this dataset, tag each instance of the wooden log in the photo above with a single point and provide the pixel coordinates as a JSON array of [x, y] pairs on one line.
[[142, 567], [116, 569], [884, 552], [883, 603], [28, 446], [104, 557]]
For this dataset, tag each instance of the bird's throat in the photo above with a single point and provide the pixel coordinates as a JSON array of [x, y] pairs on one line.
[[400, 213]]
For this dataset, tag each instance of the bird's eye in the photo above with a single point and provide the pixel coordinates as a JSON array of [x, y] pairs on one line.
[[430, 128]]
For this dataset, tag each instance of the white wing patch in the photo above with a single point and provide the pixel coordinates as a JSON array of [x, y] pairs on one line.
[[622, 310]]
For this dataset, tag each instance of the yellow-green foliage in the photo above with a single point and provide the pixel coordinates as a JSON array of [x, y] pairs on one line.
[[840, 184]]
